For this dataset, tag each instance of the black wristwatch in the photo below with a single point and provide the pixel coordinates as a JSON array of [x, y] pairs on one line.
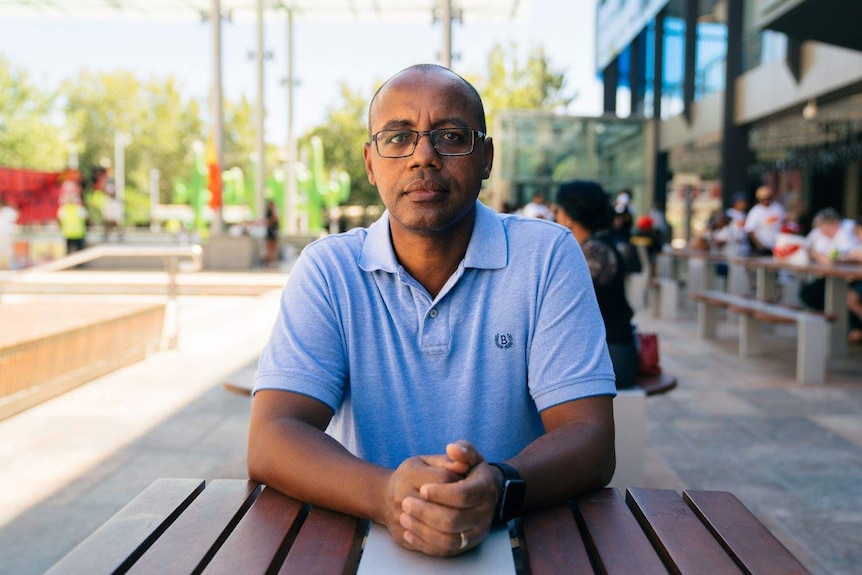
[[512, 495]]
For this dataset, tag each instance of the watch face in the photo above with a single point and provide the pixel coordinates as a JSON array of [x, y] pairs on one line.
[[513, 498]]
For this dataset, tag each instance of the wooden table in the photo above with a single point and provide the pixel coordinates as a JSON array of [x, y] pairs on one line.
[[837, 277], [235, 526]]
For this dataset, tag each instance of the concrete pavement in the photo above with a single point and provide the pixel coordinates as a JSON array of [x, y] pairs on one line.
[[792, 454]]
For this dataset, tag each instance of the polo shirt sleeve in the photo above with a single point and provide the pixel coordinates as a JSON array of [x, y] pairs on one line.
[[305, 352], [568, 355]]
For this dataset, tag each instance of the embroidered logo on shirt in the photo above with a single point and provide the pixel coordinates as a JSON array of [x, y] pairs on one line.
[[503, 340]]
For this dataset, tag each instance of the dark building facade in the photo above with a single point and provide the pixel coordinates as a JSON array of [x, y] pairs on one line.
[[740, 93]]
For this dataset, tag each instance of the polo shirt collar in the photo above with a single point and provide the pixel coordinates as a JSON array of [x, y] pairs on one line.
[[488, 247]]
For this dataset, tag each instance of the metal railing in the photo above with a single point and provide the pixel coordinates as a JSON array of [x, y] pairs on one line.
[[186, 258]]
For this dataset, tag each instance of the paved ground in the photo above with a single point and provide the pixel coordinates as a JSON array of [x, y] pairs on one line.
[[793, 454]]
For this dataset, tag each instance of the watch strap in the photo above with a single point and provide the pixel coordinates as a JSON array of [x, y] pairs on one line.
[[509, 472]]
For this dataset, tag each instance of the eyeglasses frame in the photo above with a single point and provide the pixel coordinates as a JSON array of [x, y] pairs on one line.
[[419, 133]]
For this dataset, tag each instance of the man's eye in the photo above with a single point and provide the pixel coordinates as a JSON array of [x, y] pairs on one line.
[[399, 138], [451, 136]]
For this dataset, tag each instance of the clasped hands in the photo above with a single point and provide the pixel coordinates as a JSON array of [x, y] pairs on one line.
[[442, 504]]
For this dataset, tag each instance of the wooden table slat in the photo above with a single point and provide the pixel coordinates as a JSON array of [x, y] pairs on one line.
[[614, 536], [191, 541], [742, 534], [260, 536], [124, 537], [329, 542], [685, 544], [552, 542]]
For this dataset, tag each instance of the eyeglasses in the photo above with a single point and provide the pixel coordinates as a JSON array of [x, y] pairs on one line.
[[447, 141]]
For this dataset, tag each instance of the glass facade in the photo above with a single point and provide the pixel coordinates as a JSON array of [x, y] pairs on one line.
[[536, 151]]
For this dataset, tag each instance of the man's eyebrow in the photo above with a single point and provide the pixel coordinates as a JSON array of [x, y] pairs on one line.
[[408, 125]]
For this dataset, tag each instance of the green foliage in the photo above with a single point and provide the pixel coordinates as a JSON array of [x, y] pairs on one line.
[[28, 138], [344, 132], [510, 84], [137, 207], [159, 124]]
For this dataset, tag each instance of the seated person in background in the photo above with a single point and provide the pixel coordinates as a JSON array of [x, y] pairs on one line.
[[419, 366], [854, 294], [831, 239], [537, 208], [763, 222], [585, 209]]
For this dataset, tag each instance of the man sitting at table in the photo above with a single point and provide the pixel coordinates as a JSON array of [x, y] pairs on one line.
[[854, 294], [763, 222], [408, 355], [830, 239]]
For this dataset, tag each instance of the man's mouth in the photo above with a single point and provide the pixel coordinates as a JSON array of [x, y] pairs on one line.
[[426, 190]]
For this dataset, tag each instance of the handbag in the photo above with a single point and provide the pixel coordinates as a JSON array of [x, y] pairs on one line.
[[648, 357]]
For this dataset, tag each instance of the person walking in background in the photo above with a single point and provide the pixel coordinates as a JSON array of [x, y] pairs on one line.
[[112, 212], [446, 367], [763, 222], [72, 216], [272, 228], [8, 218], [737, 235], [584, 208]]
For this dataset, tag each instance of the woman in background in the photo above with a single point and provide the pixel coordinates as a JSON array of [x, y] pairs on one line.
[[585, 209]]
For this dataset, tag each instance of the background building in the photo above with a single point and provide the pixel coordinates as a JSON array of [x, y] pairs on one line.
[[740, 92], [536, 151]]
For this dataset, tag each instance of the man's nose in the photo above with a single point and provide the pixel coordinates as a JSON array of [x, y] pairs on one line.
[[425, 150]]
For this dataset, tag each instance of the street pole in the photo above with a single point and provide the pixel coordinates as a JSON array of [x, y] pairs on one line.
[[261, 146], [446, 21], [290, 203], [216, 108], [120, 142]]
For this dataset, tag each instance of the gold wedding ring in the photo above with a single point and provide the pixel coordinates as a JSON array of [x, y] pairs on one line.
[[464, 542]]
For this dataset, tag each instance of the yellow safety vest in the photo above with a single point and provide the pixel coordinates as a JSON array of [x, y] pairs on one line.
[[73, 223]]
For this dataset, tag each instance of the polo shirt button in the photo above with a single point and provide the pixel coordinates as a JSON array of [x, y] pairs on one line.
[[432, 313]]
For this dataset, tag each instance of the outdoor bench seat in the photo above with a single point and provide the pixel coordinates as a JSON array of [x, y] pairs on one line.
[[812, 334], [656, 384], [663, 297], [241, 381]]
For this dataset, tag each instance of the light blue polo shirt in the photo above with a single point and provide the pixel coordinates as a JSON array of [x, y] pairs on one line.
[[515, 330]]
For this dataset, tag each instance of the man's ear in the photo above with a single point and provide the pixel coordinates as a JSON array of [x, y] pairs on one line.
[[366, 155], [488, 147]]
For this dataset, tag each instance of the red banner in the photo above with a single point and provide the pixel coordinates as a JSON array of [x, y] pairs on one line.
[[34, 194]]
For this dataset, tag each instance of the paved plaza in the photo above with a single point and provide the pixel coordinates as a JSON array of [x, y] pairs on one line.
[[791, 453]]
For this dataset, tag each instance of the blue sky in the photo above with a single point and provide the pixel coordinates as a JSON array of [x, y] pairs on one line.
[[326, 54]]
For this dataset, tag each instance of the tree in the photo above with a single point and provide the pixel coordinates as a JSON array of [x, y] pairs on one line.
[[28, 138], [159, 124], [344, 133], [511, 85]]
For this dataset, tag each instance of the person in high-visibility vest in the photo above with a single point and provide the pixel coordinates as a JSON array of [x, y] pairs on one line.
[[73, 219]]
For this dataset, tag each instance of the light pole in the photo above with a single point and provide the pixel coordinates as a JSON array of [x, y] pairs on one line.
[[121, 140]]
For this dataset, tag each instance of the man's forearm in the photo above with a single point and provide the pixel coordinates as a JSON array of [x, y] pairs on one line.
[[300, 460], [564, 463], [575, 455]]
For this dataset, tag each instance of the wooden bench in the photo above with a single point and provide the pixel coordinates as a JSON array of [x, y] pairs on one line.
[[812, 334], [241, 381], [237, 526]]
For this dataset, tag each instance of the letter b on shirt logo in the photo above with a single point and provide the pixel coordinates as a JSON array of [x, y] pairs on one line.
[[503, 340]]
